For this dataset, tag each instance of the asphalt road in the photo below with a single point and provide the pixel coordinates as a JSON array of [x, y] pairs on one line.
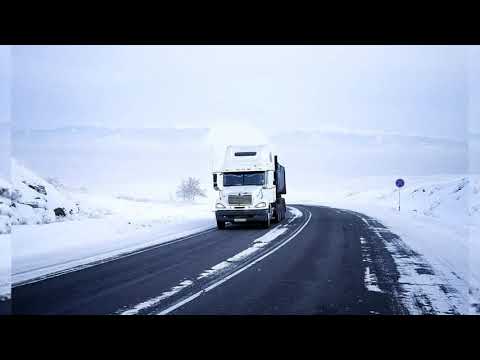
[[316, 265]]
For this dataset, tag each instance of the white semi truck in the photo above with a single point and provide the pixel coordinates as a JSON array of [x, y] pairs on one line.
[[250, 186]]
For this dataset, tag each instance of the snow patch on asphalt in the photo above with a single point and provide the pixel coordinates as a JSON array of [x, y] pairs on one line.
[[371, 280], [295, 212], [215, 269], [155, 301]]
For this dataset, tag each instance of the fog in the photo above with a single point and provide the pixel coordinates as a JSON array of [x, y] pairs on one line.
[[5, 89], [5, 151], [139, 118], [415, 89]]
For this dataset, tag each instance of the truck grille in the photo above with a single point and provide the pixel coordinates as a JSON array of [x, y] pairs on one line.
[[240, 199]]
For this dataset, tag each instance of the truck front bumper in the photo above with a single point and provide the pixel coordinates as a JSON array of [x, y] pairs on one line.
[[235, 216]]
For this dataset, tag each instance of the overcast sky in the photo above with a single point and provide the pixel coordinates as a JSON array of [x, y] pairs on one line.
[[5, 77], [421, 90], [474, 88]]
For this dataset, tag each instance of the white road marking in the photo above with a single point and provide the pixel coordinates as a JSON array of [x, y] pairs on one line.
[[242, 269]]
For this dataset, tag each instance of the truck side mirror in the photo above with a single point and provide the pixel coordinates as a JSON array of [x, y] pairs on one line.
[[215, 184]]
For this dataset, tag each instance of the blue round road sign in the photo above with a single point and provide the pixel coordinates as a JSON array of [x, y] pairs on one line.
[[400, 183]]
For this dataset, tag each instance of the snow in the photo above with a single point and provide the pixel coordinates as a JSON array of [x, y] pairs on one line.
[[5, 229], [5, 267], [371, 280], [35, 199], [474, 242], [214, 270], [438, 213], [6, 212], [154, 301]]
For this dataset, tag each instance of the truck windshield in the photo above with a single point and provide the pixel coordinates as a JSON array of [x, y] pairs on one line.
[[246, 178]]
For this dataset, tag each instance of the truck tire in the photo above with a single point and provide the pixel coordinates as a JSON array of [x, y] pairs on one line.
[[267, 222], [220, 225], [276, 215]]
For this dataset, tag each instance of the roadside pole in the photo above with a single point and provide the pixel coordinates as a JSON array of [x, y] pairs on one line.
[[399, 199], [399, 183]]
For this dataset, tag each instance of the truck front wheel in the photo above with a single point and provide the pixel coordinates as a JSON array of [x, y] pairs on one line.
[[221, 225], [267, 222]]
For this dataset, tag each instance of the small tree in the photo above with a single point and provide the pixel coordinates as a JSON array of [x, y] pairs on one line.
[[189, 189]]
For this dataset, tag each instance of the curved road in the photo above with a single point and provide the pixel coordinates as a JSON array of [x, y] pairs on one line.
[[321, 261]]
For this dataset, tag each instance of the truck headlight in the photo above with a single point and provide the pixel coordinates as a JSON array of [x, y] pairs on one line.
[[261, 204], [219, 206]]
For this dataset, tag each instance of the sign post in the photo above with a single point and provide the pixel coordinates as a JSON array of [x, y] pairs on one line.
[[399, 183]]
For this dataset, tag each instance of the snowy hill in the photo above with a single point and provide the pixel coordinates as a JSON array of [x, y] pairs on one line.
[[6, 213], [32, 200], [88, 135], [442, 199]]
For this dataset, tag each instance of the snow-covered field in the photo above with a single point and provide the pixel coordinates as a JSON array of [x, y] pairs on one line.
[[439, 218]]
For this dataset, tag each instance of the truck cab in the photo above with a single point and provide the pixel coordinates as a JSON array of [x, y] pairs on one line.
[[249, 184]]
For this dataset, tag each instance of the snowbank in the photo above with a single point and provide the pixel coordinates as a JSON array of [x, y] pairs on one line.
[[474, 242], [5, 229], [5, 267], [6, 212], [36, 200]]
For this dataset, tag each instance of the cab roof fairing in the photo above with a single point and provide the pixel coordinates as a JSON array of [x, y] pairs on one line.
[[263, 159]]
